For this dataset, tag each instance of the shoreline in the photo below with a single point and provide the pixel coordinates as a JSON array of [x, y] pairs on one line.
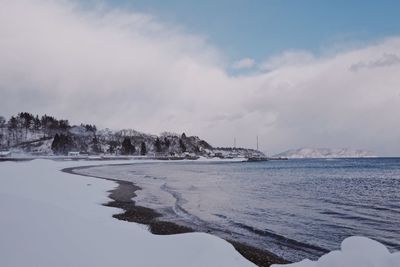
[[122, 197]]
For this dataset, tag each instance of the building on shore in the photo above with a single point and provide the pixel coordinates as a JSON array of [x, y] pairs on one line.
[[4, 154]]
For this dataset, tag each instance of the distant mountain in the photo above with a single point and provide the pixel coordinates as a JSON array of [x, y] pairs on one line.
[[46, 135], [325, 153]]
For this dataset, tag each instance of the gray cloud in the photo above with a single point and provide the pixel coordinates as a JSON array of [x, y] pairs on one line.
[[384, 61], [121, 70], [227, 117]]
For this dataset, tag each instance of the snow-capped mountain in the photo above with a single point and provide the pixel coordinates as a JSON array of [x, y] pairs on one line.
[[325, 153]]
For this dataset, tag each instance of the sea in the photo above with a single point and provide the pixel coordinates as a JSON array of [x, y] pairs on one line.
[[297, 208]]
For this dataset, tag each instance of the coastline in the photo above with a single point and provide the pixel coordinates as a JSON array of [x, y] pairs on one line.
[[122, 197], [53, 218]]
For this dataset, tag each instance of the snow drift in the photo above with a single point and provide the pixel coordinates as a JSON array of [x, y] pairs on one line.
[[355, 251]]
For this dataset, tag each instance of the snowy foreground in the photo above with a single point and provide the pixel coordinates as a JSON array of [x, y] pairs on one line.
[[355, 251], [51, 218]]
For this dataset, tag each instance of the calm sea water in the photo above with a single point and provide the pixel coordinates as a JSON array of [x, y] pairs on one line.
[[294, 208]]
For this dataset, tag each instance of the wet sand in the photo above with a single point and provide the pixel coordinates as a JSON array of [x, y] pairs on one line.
[[121, 197]]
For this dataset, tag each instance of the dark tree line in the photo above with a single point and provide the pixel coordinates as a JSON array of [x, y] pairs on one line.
[[127, 147], [3, 125], [157, 145], [143, 149], [61, 144], [25, 127], [89, 127], [27, 121], [181, 142], [28, 128], [96, 145]]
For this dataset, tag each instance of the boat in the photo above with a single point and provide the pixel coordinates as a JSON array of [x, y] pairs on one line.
[[255, 159]]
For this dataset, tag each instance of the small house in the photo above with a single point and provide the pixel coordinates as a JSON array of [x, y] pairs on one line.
[[73, 154], [4, 154]]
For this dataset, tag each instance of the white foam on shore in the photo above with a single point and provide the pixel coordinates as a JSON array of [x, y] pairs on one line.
[[51, 218], [355, 251]]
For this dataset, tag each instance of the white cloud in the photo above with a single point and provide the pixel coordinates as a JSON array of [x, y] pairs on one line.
[[245, 63], [288, 58], [120, 69]]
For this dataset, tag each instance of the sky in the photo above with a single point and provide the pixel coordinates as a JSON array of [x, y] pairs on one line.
[[303, 73], [262, 28]]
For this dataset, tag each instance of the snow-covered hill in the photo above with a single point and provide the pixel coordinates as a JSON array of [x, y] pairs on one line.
[[46, 135], [325, 153]]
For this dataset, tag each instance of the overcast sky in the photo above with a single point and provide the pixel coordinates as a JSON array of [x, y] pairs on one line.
[[121, 67]]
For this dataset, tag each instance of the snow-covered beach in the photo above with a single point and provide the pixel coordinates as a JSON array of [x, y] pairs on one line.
[[52, 218], [124, 197]]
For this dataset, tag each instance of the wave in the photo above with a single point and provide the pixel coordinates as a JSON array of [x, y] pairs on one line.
[[282, 239]]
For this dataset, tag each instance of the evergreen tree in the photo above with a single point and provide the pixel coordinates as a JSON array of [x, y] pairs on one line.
[[25, 119], [89, 128], [56, 143], [66, 143], [182, 145], [2, 127], [157, 145], [12, 123], [96, 145], [143, 149], [167, 142], [63, 125], [112, 146], [61, 144], [127, 147], [12, 127], [2, 124], [49, 124], [36, 123]]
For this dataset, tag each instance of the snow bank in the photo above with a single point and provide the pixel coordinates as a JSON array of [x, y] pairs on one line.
[[355, 251], [50, 218]]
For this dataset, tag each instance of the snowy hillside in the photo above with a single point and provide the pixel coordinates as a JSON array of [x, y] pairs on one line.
[[46, 135], [325, 153]]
